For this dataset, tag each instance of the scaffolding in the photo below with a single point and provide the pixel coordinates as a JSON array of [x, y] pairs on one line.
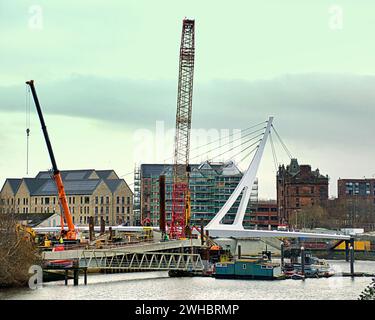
[[137, 196], [210, 188]]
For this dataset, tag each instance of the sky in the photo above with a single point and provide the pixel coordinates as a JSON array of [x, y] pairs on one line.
[[106, 75]]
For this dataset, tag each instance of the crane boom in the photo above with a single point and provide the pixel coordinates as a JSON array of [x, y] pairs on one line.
[[180, 193], [71, 233]]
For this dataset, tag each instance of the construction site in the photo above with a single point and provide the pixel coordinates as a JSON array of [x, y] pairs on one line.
[[184, 217]]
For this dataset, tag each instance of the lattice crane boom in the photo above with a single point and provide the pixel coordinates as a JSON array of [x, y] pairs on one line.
[[180, 193]]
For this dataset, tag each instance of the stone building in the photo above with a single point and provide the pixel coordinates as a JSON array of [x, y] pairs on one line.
[[97, 193], [298, 187]]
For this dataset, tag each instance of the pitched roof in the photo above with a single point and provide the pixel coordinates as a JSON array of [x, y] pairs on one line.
[[72, 187], [104, 174], [14, 184], [67, 174], [33, 219], [113, 184], [33, 184]]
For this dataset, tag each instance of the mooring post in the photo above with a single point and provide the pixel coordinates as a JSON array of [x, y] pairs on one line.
[[66, 277], [347, 250], [351, 261], [239, 251], [162, 215], [91, 228], [85, 276], [75, 276], [303, 260], [282, 254], [102, 226], [202, 232], [110, 234]]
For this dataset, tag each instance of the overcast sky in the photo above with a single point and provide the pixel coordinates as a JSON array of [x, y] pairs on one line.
[[106, 75]]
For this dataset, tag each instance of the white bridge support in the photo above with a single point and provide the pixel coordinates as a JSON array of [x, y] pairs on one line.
[[244, 187], [236, 230]]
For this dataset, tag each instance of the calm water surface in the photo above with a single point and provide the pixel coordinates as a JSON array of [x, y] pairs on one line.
[[157, 285]]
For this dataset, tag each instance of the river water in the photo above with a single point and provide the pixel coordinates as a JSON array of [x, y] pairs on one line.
[[157, 285]]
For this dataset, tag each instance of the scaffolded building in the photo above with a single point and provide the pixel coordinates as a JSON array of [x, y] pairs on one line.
[[210, 183]]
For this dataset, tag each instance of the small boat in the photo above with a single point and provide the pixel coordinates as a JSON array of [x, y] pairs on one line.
[[63, 263], [313, 268], [297, 276]]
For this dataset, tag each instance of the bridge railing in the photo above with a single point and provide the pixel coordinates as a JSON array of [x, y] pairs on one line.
[[140, 261]]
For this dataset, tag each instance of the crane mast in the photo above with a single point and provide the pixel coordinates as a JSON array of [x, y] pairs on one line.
[[71, 233], [180, 219]]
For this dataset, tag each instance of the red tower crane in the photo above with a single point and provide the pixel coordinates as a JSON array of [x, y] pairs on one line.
[[180, 221]]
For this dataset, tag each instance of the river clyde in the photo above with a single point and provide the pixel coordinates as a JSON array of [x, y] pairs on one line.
[[157, 285]]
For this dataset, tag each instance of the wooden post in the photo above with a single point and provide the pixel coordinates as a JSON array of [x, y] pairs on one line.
[[75, 276], [351, 249], [202, 232], [347, 250], [162, 218], [110, 234], [85, 276], [303, 260], [66, 277], [91, 228], [102, 226]]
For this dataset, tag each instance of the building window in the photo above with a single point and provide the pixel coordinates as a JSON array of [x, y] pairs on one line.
[[101, 209], [107, 199], [101, 200], [74, 200], [117, 209], [46, 200], [123, 200], [128, 200], [87, 200], [123, 210], [312, 190], [106, 210], [96, 200], [96, 210], [127, 210], [118, 200]]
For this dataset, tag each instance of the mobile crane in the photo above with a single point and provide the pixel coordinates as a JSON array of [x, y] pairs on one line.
[[71, 233]]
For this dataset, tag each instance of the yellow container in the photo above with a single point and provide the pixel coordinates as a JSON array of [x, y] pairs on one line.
[[358, 245]]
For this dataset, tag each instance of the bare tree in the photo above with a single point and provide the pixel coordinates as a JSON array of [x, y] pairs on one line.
[[17, 253]]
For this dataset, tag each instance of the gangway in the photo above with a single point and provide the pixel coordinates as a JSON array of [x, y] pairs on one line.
[[148, 261]]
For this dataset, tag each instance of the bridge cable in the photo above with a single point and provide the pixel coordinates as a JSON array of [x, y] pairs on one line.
[[273, 152], [282, 143]]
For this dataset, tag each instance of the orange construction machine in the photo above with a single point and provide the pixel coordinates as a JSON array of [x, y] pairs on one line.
[[71, 233]]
